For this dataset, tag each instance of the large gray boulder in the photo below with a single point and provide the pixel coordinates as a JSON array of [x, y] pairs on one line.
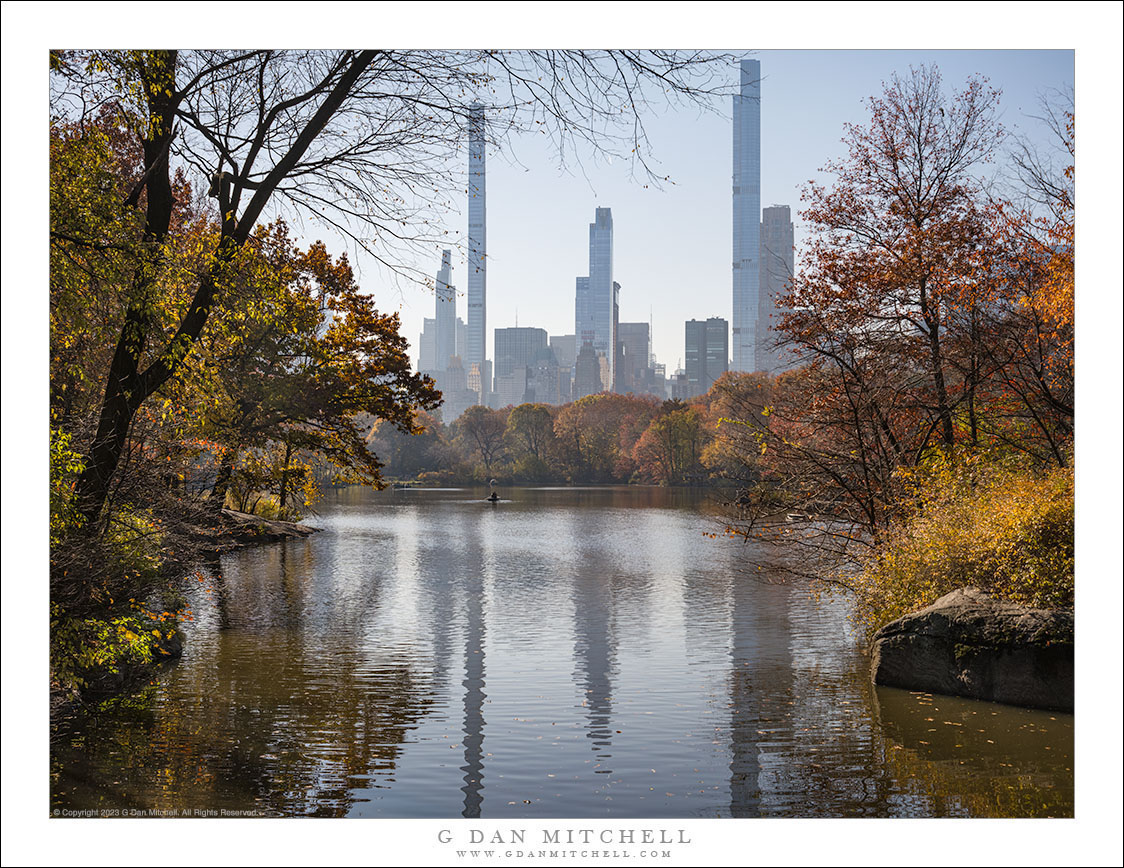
[[971, 644]]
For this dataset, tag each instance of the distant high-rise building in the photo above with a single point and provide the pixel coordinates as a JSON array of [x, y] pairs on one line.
[[777, 268], [511, 388], [587, 372], [635, 352], [545, 380], [585, 330], [446, 317], [717, 349], [659, 370], [427, 345], [695, 355], [612, 374], [457, 397], [679, 388], [596, 300], [565, 352], [477, 331], [707, 353], [518, 348], [747, 215], [462, 336], [565, 349], [526, 368]]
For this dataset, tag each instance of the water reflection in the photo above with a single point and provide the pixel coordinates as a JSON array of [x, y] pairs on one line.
[[957, 754], [582, 653], [270, 726], [473, 683], [760, 675], [593, 608]]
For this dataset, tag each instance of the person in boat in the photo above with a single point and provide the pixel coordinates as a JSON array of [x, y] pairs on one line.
[[493, 497]]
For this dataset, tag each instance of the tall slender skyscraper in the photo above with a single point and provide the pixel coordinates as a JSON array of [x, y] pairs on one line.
[[747, 215], [476, 337], [777, 265], [596, 296], [446, 307]]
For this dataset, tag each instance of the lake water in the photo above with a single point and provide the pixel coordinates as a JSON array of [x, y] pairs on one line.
[[584, 653]]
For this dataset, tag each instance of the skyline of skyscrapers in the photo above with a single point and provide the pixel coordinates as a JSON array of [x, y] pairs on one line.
[[747, 215], [762, 265]]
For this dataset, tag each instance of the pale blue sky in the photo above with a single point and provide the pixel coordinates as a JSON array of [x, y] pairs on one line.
[[673, 246]]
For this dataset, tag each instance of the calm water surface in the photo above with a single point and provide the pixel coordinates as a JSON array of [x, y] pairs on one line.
[[564, 653]]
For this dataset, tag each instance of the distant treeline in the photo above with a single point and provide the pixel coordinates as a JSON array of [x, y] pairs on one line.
[[605, 438]]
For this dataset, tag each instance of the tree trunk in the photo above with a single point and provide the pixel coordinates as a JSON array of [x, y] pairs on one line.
[[124, 390], [284, 480], [932, 323], [217, 497]]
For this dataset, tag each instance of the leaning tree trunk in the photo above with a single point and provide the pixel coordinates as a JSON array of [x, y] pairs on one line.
[[125, 386]]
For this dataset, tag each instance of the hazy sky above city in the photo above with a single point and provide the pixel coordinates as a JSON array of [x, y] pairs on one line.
[[672, 246]]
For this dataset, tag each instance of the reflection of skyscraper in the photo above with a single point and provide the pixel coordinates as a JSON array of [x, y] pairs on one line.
[[474, 671], [595, 647], [760, 688], [596, 300], [476, 337], [747, 215], [446, 342], [776, 271]]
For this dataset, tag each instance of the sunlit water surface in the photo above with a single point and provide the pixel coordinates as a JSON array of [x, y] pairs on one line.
[[563, 653]]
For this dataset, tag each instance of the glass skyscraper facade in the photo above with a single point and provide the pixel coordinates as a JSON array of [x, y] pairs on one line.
[[596, 296], [476, 335], [747, 216]]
